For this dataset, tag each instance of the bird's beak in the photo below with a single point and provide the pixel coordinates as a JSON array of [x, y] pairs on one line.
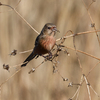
[[55, 30]]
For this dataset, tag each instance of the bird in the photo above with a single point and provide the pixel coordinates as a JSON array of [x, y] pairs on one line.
[[44, 42]]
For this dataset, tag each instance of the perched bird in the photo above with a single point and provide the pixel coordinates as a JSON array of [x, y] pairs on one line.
[[44, 42]]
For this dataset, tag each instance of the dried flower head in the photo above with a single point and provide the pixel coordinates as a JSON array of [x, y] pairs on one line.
[[31, 71], [14, 52], [65, 79], [6, 67], [93, 25]]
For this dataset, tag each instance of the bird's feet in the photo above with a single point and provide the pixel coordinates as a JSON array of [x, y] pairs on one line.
[[48, 57]]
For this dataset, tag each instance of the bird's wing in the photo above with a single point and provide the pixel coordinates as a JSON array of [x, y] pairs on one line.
[[37, 41]]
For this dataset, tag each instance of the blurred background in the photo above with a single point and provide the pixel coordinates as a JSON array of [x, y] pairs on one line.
[[43, 84]]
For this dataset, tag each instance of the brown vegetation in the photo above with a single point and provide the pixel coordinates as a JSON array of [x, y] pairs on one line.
[[82, 42]]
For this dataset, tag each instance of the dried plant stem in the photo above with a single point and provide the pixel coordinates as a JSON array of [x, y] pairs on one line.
[[92, 68], [17, 3], [83, 53], [90, 5], [77, 91], [40, 64], [16, 65], [77, 54], [83, 77], [80, 33], [94, 91], [90, 71], [87, 87], [60, 75], [77, 95], [33, 69], [26, 22], [21, 17], [10, 77], [25, 51], [91, 20]]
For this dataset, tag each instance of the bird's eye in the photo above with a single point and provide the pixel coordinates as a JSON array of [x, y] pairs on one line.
[[49, 27]]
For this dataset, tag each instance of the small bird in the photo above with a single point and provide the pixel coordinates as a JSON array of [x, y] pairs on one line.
[[44, 42]]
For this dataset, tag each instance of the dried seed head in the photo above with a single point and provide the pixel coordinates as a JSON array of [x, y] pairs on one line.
[[6, 67], [59, 49], [65, 51], [68, 54], [54, 71], [14, 52], [70, 84], [65, 79], [93, 25], [31, 71]]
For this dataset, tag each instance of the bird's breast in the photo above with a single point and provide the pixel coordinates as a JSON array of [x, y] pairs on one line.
[[48, 43]]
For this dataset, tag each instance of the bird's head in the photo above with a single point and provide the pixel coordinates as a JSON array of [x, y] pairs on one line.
[[49, 29]]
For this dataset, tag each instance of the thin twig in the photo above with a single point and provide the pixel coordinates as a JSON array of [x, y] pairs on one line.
[[21, 17], [25, 51], [16, 65], [91, 20], [13, 7], [17, 3], [10, 77], [94, 91], [87, 87], [33, 69], [80, 33], [78, 88], [77, 95], [90, 5], [76, 92], [83, 53], [40, 64], [90, 71], [77, 54], [92, 68], [26, 22]]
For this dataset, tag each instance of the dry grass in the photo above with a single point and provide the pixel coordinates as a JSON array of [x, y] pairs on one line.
[[78, 22]]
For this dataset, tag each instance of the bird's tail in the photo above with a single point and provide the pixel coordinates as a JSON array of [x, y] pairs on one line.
[[29, 58]]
